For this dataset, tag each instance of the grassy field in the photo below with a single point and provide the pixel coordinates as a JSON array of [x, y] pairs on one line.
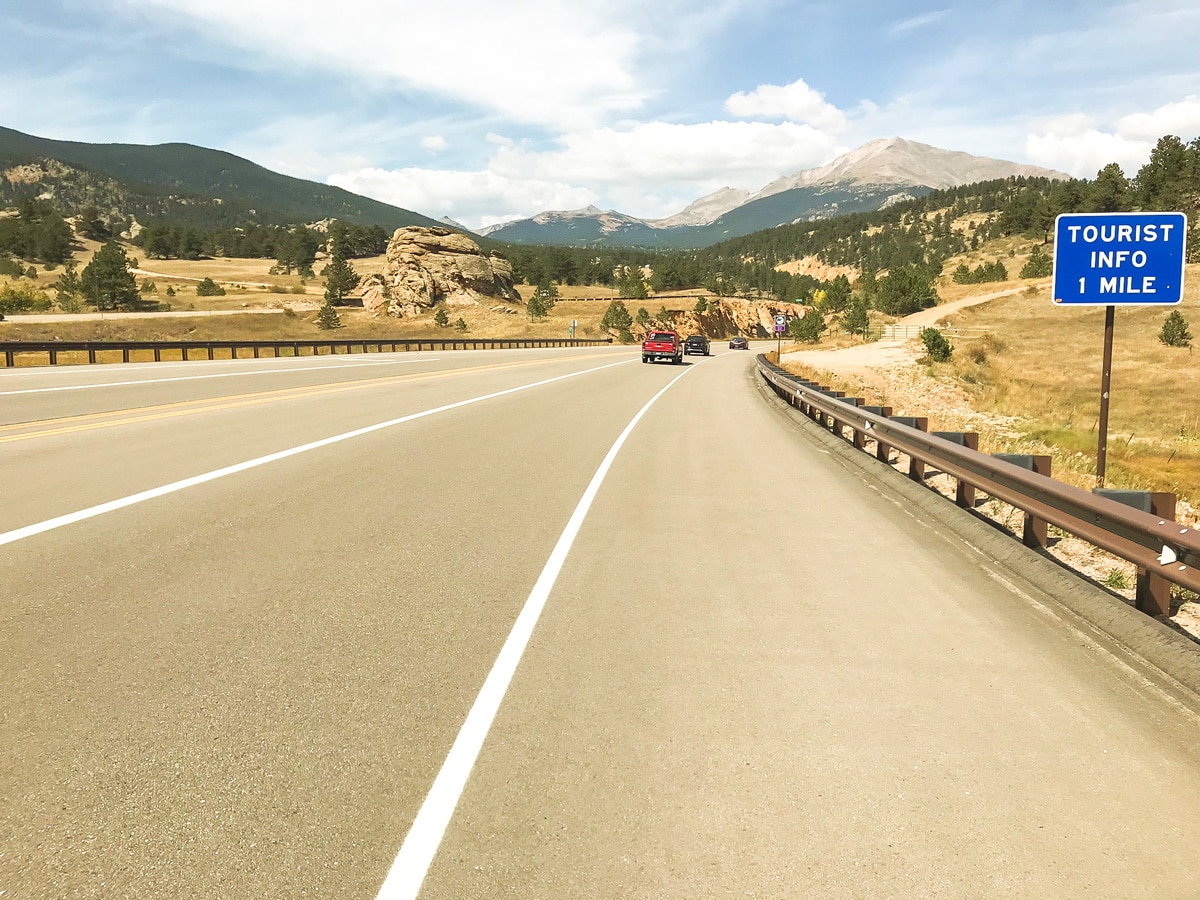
[[1042, 363]]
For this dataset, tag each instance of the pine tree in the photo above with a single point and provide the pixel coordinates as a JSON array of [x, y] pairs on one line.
[[856, 320], [1039, 264], [808, 328], [1175, 331], [107, 281], [440, 319], [340, 277], [328, 318]]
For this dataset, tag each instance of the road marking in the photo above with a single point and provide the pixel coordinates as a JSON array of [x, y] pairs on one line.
[[111, 384], [114, 418], [10, 537], [416, 854]]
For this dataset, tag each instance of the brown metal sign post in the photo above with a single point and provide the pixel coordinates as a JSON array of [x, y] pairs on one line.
[[1105, 386]]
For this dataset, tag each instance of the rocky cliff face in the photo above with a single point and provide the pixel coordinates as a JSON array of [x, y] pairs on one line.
[[725, 317], [427, 266]]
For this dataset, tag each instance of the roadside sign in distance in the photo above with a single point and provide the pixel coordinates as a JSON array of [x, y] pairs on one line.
[[780, 324], [1119, 259]]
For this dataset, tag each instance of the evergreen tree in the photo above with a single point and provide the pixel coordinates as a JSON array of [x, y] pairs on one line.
[[107, 282], [643, 316], [1039, 265], [328, 318], [440, 319], [461, 324], [209, 288], [701, 306], [1109, 192], [1174, 331], [69, 287], [856, 320], [616, 316], [340, 278]]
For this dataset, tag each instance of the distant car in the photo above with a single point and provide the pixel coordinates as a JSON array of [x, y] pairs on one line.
[[739, 343], [696, 343]]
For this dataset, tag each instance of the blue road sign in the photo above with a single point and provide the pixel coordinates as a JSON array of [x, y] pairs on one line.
[[1119, 259]]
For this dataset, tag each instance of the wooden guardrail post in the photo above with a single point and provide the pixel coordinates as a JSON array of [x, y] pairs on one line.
[[1035, 531], [964, 493], [1153, 592], [860, 437], [916, 468]]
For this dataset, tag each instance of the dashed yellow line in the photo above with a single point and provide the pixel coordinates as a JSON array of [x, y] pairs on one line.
[[115, 418]]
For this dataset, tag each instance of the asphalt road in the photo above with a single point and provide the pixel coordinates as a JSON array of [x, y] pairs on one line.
[[251, 641]]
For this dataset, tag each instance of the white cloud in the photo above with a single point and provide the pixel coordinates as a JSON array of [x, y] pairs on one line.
[[1081, 147], [796, 102], [650, 170], [434, 143], [914, 23], [741, 153], [473, 198], [536, 61], [1181, 119]]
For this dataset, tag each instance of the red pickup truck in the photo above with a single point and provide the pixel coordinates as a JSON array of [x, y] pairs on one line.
[[662, 345]]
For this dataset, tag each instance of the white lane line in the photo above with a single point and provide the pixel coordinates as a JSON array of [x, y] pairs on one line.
[[404, 879], [290, 369], [91, 512]]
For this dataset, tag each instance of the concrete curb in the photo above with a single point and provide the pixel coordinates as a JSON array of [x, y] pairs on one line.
[[1076, 600]]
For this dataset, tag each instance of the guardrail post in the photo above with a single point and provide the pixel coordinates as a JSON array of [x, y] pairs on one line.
[[1153, 592], [916, 468], [210, 351], [964, 494], [124, 354], [1035, 532], [10, 358], [839, 426], [860, 436], [91, 355], [53, 357]]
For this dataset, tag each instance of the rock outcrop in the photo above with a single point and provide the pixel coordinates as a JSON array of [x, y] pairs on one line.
[[725, 317], [427, 266]]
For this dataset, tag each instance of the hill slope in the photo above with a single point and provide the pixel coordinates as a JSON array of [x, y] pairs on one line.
[[182, 183]]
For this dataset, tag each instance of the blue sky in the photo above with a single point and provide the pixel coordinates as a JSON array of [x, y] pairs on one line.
[[487, 111]]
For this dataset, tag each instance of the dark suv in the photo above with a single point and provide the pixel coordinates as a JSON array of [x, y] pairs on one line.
[[696, 343]]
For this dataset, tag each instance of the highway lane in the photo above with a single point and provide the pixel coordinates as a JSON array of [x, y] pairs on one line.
[[755, 673]]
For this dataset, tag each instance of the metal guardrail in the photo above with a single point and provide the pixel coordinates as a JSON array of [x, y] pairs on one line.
[[11, 349], [1160, 547]]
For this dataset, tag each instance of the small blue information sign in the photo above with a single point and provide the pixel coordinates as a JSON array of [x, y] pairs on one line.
[[1119, 259], [780, 324]]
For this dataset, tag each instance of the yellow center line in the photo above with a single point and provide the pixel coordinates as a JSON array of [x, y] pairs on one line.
[[112, 419]]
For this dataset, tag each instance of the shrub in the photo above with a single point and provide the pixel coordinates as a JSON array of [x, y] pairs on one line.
[[18, 298], [936, 345], [461, 324], [809, 328], [209, 288], [1174, 331], [10, 267], [170, 291], [163, 307], [297, 289], [289, 313], [440, 319]]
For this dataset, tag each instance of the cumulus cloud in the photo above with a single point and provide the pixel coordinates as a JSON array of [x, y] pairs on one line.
[[661, 152], [1181, 119], [535, 61], [434, 143], [796, 102], [650, 170], [1078, 145]]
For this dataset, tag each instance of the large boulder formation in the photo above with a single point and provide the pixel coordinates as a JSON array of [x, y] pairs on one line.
[[725, 316], [427, 266]]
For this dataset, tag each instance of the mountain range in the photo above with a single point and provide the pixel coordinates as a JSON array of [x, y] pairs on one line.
[[872, 177], [182, 183], [189, 185]]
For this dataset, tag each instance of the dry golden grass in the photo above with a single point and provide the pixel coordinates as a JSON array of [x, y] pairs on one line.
[[1042, 363]]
